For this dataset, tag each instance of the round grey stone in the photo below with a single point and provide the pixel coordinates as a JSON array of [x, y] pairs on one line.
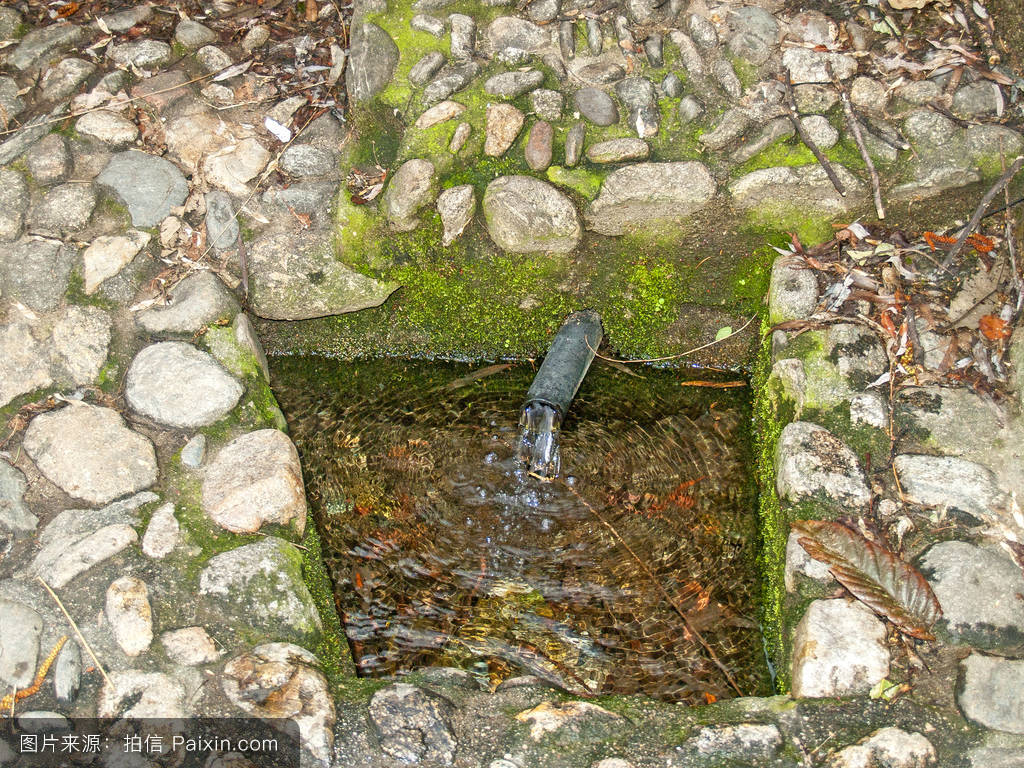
[[868, 94], [672, 86], [820, 130], [689, 109], [813, 27], [14, 199], [543, 11], [122, 21], [372, 59], [254, 480], [413, 187], [547, 104], [414, 725], [48, 161], [11, 104], [839, 649], [889, 747], [109, 127], [977, 588], [596, 106], [194, 451], [193, 35], [426, 68], [24, 362], [65, 209], [807, 66], [702, 31], [649, 196], [197, 301], [976, 100], [950, 483], [176, 384], [456, 207], [67, 672], [792, 292], [14, 515], [129, 614], [162, 533], [90, 454], [462, 40], [144, 54], [526, 215], [35, 272], [509, 85], [928, 129], [148, 185], [993, 692], [221, 225], [811, 462], [429, 24], [512, 32], [295, 276], [64, 78], [260, 587], [755, 33], [618, 151], [81, 339], [10, 20], [742, 741], [42, 43], [305, 160], [213, 59], [20, 630]]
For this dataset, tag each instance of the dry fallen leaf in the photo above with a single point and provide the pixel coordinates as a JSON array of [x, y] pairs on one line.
[[994, 328], [875, 576]]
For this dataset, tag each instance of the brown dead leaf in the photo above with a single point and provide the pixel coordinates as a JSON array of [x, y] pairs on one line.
[[874, 575]]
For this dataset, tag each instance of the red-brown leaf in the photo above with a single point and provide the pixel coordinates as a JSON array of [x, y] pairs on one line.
[[875, 576], [993, 327]]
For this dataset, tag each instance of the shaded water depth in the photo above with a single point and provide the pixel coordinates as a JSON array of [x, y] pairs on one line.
[[633, 572]]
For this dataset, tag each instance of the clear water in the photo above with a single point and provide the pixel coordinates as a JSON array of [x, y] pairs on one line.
[[632, 571], [538, 441]]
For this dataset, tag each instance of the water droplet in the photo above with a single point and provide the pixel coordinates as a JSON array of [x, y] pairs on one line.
[[490, 458], [570, 480]]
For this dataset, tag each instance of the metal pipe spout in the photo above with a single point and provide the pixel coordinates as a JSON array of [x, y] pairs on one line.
[[553, 388]]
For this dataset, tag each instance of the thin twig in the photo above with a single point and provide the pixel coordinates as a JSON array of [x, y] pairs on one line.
[[1001, 182], [1011, 246], [674, 357], [895, 143], [658, 585], [854, 125], [78, 632], [794, 118]]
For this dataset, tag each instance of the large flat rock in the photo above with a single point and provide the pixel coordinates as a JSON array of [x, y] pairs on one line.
[[649, 196], [90, 454], [296, 276]]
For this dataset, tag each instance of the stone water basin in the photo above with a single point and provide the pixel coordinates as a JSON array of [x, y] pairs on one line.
[[610, 579]]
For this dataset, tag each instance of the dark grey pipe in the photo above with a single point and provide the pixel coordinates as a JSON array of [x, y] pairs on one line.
[[553, 389], [566, 362]]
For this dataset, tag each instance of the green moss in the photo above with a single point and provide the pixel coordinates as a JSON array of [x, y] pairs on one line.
[[792, 152], [586, 183], [332, 649], [109, 379], [746, 72], [774, 525], [75, 294]]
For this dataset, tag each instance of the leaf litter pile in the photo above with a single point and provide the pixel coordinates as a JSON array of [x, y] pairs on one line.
[[944, 306]]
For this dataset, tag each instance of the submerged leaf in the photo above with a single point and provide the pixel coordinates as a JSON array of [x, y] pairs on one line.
[[874, 575]]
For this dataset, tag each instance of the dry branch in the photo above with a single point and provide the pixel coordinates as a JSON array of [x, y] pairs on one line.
[[979, 212], [794, 118]]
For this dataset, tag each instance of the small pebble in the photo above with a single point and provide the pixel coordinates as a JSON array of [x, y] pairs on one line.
[[430, 24]]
